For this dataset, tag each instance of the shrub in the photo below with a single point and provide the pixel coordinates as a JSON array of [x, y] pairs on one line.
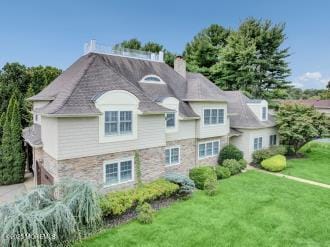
[[117, 203], [200, 174], [222, 172], [274, 164], [230, 152], [64, 211], [242, 164], [232, 165], [187, 186], [262, 154], [210, 186], [145, 213]]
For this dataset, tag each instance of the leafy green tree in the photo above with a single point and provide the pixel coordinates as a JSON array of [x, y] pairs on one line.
[[299, 124], [134, 44], [41, 76], [202, 52], [236, 69], [149, 46], [27, 106], [152, 47]]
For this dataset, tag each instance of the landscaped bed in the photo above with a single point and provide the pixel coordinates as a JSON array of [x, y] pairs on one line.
[[250, 209], [314, 166]]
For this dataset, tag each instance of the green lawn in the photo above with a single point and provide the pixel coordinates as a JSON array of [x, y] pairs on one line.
[[316, 165], [251, 209]]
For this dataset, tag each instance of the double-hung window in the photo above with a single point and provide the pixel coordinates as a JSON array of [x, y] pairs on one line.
[[264, 113], [118, 172], [257, 143], [208, 149], [272, 140], [118, 122], [170, 119], [172, 156], [214, 116]]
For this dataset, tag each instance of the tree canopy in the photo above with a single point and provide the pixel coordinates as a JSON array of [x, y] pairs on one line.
[[299, 124]]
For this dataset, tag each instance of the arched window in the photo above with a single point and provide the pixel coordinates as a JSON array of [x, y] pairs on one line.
[[152, 79]]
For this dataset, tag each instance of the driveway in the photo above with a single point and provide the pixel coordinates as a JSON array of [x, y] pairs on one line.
[[9, 193]]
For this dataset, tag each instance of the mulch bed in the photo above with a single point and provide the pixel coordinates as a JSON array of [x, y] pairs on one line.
[[131, 214]]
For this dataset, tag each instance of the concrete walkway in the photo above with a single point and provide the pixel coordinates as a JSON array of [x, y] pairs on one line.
[[306, 181], [9, 193]]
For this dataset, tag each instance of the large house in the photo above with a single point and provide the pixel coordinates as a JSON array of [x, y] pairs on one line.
[[110, 105]]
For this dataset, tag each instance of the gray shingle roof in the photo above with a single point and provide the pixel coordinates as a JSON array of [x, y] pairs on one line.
[[200, 89], [72, 93], [241, 116], [32, 135]]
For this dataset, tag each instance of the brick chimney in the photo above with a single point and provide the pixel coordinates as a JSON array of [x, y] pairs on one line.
[[180, 66]]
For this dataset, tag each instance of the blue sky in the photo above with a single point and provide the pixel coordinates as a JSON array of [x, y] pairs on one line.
[[53, 32]]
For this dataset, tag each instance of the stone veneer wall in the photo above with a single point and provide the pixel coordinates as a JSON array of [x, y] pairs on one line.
[[152, 164], [187, 156], [211, 160]]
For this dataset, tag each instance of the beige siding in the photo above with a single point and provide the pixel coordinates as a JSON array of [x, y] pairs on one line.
[[79, 137], [257, 108], [206, 131], [245, 141], [186, 130], [49, 135]]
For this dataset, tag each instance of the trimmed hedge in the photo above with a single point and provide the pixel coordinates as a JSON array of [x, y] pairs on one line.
[[200, 174], [262, 154], [222, 172], [230, 152], [232, 165], [117, 203], [274, 164], [187, 185]]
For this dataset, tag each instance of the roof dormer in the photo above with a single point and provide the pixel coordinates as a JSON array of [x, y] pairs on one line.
[[152, 79], [259, 108]]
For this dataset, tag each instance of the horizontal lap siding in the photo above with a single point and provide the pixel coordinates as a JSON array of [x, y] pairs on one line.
[[186, 130], [79, 137]]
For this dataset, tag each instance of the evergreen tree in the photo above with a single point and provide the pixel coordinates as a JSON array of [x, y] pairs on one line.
[[27, 107], [17, 171], [202, 52], [7, 155]]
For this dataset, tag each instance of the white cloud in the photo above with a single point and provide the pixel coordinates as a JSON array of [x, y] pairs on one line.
[[311, 80]]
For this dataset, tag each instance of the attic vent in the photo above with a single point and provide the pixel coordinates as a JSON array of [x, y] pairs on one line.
[[152, 79]]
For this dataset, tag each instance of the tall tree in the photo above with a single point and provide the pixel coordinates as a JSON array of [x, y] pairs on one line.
[[17, 166], [152, 47], [41, 76], [202, 52], [260, 59], [236, 68], [7, 157]]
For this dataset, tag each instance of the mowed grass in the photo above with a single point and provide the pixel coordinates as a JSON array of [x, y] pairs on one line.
[[251, 209], [315, 166]]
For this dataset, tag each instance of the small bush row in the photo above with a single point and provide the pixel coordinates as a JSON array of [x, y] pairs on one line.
[[117, 203], [262, 154]]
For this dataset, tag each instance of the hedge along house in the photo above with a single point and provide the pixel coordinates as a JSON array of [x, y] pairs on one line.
[[111, 104]]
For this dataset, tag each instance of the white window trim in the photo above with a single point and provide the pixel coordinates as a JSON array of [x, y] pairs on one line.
[[179, 161], [272, 137], [152, 82], [118, 124], [173, 128], [213, 108], [107, 162], [208, 156], [264, 119], [262, 143]]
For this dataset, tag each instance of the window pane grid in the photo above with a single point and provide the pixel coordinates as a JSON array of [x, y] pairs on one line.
[[213, 116], [118, 172], [208, 149], [172, 156], [170, 119], [117, 122]]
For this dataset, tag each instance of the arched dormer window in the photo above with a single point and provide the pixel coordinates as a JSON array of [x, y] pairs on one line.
[[152, 79]]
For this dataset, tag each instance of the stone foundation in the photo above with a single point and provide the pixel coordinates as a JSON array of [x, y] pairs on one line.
[[214, 159], [152, 164]]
